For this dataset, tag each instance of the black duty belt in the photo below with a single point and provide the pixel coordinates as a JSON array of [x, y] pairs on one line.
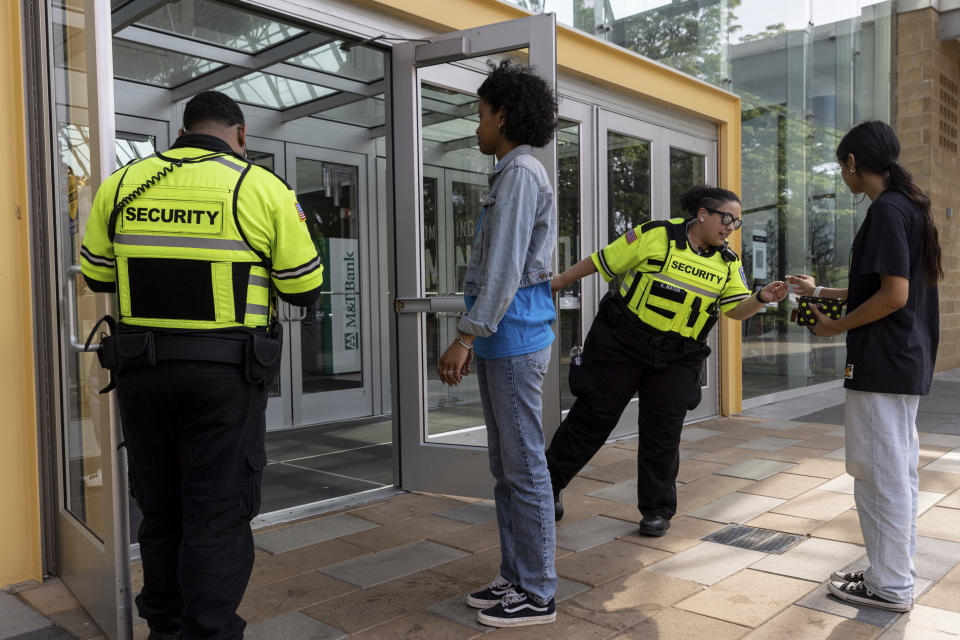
[[617, 311], [258, 354]]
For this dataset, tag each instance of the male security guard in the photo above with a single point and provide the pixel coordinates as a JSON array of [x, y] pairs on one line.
[[650, 338], [195, 242]]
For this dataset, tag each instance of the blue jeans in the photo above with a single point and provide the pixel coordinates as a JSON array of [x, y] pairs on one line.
[[882, 454], [511, 392]]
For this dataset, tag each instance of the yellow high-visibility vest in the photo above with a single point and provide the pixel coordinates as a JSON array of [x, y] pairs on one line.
[[200, 239], [669, 286]]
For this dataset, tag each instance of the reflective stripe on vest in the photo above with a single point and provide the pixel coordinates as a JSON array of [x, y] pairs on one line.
[[681, 298], [182, 259]]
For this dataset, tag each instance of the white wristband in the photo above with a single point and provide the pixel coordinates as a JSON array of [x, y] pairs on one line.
[[816, 291]]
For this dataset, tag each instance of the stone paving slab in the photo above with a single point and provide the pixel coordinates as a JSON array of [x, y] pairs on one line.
[[707, 563], [476, 513], [769, 444], [925, 623], [292, 625], [736, 507], [800, 623], [592, 532], [949, 462], [814, 559], [16, 618], [693, 434], [394, 563], [935, 558], [625, 492], [748, 598], [836, 454], [311, 532], [755, 469], [940, 440], [779, 425]]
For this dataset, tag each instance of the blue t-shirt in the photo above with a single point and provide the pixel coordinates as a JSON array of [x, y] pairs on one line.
[[525, 328]]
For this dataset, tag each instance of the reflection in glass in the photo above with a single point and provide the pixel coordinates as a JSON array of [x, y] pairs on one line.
[[686, 170], [133, 146], [368, 112], [157, 67], [805, 72], [330, 349], [220, 24], [274, 92], [358, 63], [568, 247], [628, 183], [85, 412], [455, 183]]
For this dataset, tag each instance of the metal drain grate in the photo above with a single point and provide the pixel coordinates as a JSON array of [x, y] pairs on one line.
[[738, 535]]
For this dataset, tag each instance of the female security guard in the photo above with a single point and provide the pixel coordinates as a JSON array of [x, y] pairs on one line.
[[650, 337]]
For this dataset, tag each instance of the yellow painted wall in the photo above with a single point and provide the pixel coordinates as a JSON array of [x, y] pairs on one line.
[[19, 487], [591, 58]]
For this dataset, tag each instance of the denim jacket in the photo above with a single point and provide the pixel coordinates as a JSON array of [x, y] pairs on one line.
[[515, 239]]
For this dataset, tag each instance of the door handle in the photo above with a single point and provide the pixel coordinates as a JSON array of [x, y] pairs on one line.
[[285, 309], [431, 304], [72, 322]]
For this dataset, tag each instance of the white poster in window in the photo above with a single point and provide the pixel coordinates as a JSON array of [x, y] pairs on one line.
[[759, 245], [342, 271]]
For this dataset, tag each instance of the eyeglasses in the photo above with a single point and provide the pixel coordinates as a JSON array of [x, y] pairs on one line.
[[727, 218]]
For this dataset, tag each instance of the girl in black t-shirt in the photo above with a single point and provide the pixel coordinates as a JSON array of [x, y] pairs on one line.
[[892, 325]]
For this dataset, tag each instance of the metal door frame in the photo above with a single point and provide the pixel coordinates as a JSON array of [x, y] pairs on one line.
[[327, 406], [425, 466]]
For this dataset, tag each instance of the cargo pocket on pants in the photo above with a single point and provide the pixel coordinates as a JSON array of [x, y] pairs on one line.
[[252, 480]]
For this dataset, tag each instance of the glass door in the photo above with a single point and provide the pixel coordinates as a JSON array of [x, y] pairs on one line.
[[644, 168], [439, 180], [92, 536], [693, 161], [327, 349]]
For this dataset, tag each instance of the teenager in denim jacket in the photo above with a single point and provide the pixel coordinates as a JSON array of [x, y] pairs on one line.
[[508, 326]]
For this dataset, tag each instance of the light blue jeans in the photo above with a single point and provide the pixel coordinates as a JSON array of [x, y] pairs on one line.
[[882, 451], [511, 393]]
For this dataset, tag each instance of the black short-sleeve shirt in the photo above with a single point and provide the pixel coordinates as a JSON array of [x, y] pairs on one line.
[[895, 354]]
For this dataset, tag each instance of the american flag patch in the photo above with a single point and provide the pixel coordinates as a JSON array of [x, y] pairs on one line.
[[303, 216], [743, 277], [631, 236]]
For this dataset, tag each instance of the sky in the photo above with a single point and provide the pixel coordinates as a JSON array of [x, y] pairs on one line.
[[753, 15]]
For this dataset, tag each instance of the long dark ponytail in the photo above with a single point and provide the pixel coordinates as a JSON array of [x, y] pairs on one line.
[[875, 148]]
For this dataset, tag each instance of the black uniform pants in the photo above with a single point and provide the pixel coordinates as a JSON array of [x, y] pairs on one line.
[[194, 433], [617, 363]]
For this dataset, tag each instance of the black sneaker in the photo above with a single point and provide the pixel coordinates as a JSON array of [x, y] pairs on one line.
[[857, 593], [853, 576], [557, 505], [492, 595], [518, 609]]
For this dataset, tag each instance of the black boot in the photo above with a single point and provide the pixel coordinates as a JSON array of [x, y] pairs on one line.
[[653, 525], [557, 505]]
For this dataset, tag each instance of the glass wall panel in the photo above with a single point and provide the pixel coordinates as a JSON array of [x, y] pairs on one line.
[[628, 183], [806, 72], [85, 411], [568, 247]]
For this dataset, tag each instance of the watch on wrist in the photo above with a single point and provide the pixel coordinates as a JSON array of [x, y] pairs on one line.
[[760, 296]]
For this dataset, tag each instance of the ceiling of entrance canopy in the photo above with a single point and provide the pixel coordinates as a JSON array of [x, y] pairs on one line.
[[189, 46]]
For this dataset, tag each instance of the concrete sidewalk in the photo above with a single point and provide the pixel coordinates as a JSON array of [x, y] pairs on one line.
[[400, 567]]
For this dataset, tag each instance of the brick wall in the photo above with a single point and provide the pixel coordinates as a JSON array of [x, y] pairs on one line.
[[927, 123]]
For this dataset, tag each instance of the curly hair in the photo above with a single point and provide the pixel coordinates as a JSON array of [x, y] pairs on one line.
[[703, 195], [529, 103]]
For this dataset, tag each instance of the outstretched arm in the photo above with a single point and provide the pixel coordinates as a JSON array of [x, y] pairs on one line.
[[773, 292], [570, 275]]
